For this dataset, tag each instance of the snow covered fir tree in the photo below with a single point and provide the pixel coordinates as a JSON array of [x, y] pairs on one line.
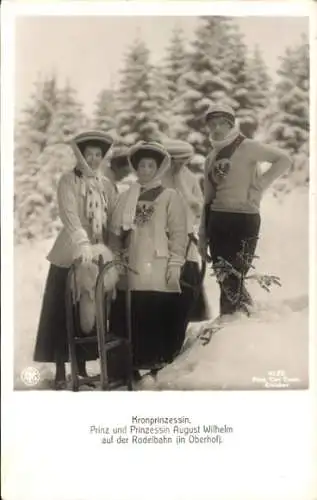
[[38, 114], [243, 88], [67, 116], [289, 124], [42, 154], [139, 116], [204, 81], [104, 116], [287, 120], [174, 64], [262, 80], [166, 97]]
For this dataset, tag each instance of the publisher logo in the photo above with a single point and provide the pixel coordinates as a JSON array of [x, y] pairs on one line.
[[30, 376], [276, 379]]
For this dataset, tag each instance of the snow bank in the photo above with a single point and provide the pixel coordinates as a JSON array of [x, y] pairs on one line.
[[276, 338], [241, 355]]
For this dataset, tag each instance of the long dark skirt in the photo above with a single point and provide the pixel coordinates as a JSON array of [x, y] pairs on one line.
[[193, 296], [51, 343], [233, 236], [158, 325]]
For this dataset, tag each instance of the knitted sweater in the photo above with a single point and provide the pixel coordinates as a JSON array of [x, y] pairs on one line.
[[242, 188]]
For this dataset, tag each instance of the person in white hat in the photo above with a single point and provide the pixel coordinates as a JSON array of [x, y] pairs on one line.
[[179, 177], [233, 188], [85, 202], [149, 230]]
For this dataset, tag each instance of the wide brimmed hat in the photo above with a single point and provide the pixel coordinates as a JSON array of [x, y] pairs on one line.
[[147, 150], [95, 138], [179, 150], [223, 110]]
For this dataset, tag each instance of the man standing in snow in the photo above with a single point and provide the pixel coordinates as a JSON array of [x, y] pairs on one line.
[[233, 188]]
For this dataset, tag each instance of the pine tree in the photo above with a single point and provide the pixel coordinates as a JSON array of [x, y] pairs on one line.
[[35, 192], [163, 109], [38, 114], [300, 175], [138, 114], [68, 118], [243, 84], [263, 81], [30, 140], [175, 63], [39, 164], [205, 81], [105, 111], [262, 96], [289, 127]]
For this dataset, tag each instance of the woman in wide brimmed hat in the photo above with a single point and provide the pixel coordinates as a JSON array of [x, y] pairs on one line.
[[85, 201], [149, 228], [179, 177]]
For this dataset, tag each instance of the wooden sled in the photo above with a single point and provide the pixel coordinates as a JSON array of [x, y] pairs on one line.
[[108, 344]]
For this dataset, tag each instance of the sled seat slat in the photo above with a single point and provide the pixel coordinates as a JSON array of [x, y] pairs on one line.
[[85, 340], [93, 338], [87, 380], [109, 343]]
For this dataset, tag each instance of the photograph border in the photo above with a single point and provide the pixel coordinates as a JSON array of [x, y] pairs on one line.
[[294, 408]]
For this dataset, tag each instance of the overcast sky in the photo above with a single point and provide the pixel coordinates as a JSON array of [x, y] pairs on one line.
[[89, 50]]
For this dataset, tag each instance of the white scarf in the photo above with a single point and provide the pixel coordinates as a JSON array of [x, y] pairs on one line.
[[92, 189], [129, 210], [232, 135]]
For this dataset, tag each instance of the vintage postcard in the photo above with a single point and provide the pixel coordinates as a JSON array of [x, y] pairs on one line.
[[158, 250]]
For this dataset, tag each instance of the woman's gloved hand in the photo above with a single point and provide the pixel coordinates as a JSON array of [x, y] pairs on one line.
[[86, 254], [122, 259]]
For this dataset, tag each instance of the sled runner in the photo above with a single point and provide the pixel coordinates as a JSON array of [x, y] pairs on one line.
[[110, 347]]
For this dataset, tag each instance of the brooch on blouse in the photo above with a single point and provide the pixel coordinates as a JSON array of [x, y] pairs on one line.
[[143, 214]]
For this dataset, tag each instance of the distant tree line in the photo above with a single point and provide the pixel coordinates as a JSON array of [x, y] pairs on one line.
[[153, 101]]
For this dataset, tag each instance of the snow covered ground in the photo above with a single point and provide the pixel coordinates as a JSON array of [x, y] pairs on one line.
[[241, 355]]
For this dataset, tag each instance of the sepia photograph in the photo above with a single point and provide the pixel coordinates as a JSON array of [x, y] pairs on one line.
[[161, 203]]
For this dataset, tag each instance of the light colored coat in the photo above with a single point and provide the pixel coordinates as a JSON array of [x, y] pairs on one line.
[[167, 226], [187, 184], [76, 230]]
